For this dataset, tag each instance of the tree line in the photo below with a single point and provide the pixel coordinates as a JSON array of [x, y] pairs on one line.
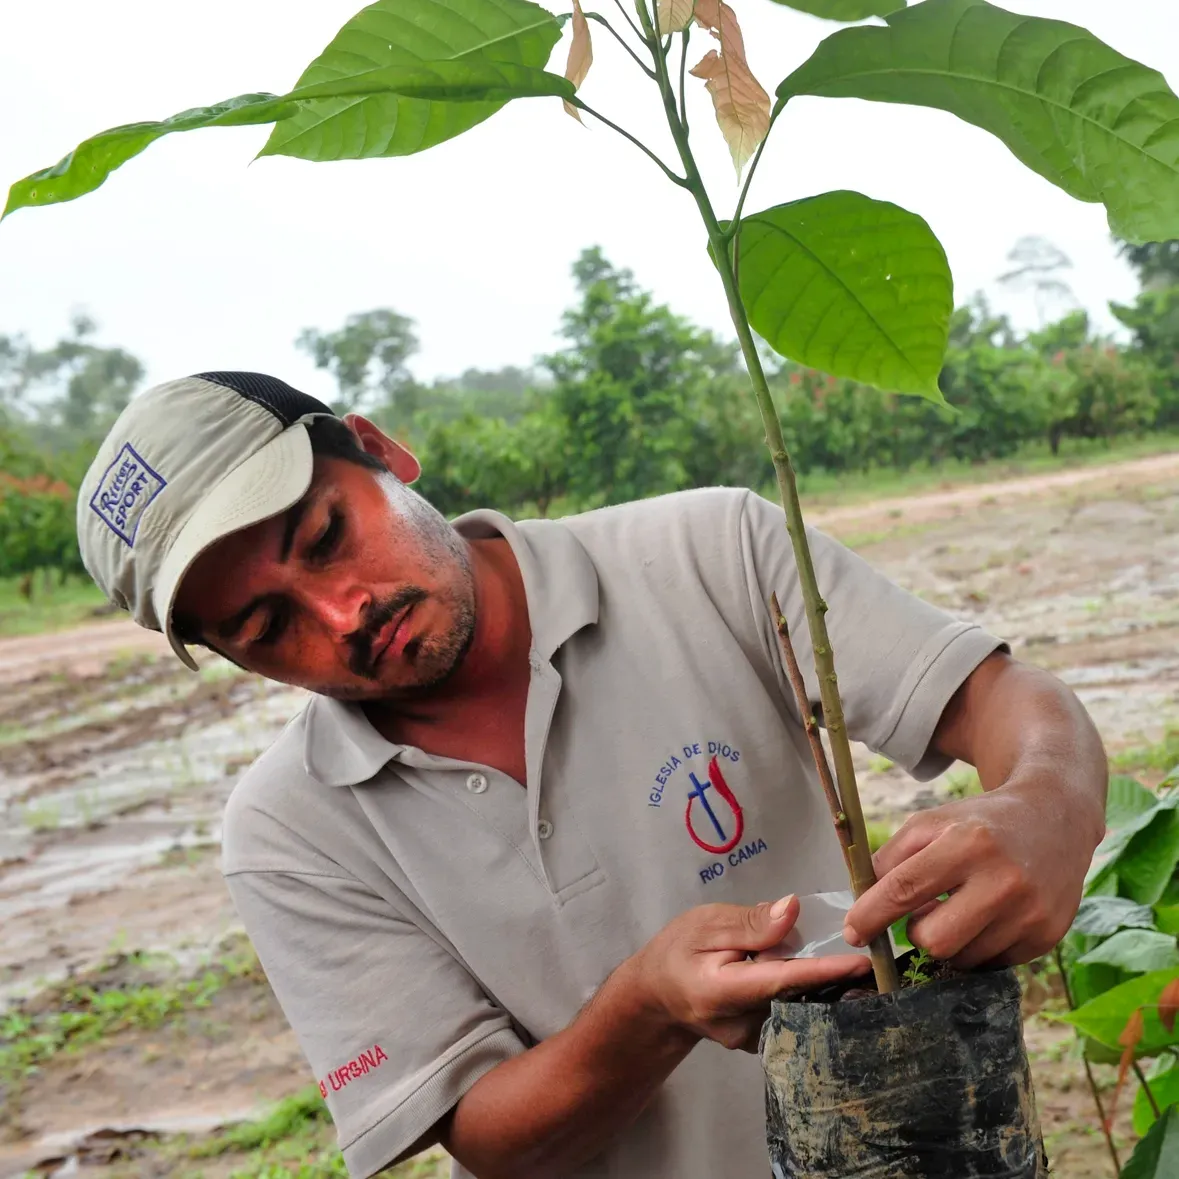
[[637, 401]]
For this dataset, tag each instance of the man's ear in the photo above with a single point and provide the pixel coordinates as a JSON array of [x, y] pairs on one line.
[[373, 440]]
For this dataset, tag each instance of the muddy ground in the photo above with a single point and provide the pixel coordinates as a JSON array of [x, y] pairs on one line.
[[115, 763]]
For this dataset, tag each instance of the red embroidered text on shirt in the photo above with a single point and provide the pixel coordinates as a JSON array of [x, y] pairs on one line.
[[353, 1070]]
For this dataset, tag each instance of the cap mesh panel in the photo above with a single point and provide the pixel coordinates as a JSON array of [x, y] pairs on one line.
[[287, 404]]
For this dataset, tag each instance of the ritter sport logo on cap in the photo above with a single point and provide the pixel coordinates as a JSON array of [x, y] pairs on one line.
[[186, 463]]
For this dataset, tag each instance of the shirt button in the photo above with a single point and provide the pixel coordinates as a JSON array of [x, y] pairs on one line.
[[544, 828], [477, 783]]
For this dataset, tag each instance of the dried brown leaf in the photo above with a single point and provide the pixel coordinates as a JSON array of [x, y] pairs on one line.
[[1169, 1004], [742, 106], [674, 15], [581, 56], [1129, 1039]]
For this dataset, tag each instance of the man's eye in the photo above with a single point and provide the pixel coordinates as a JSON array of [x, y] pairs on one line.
[[276, 623], [328, 538]]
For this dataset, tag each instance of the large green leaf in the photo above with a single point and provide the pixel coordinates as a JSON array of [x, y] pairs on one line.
[[1147, 863], [1126, 800], [408, 33], [1163, 1080], [461, 82], [1101, 126], [94, 159], [855, 287], [1102, 916], [845, 10], [1136, 951], [1166, 917], [1104, 1017], [1116, 847], [1157, 1155]]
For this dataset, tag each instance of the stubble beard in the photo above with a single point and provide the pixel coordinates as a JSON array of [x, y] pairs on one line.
[[435, 657]]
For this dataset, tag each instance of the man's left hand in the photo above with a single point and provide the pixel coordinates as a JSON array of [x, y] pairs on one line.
[[1013, 860], [1013, 866]]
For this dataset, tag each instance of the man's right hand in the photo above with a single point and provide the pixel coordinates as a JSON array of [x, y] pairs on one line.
[[695, 974]]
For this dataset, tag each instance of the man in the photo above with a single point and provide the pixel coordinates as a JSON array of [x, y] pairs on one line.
[[507, 869]]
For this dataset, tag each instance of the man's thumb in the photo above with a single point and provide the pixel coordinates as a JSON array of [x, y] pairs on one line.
[[769, 924]]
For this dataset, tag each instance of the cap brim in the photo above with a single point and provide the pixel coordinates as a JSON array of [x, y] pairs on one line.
[[267, 483]]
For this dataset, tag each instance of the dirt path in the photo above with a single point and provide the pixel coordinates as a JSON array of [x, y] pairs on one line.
[[81, 651], [935, 505]]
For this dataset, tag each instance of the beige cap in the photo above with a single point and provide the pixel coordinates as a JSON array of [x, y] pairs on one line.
[[186, 463]]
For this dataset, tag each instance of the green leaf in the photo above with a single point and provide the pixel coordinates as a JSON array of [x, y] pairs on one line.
[[1087, 981], [845, 10], [1157, 1155], [1127, 799], [1102, 916], [1166, 918], [1148, 862], [1104, 1017], [855, 287], [1163, 1080], [409, 33], [1115, 848], [94, 159], [466, 80], [1135, 951], [1099, 125]]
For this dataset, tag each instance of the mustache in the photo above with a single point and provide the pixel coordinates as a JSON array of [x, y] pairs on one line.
[[363, 654]]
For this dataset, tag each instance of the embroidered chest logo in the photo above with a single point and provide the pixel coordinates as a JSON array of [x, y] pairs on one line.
[[126, 488], [713, 814], [714, 825]]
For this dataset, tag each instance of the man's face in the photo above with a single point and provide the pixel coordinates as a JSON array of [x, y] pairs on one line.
[[360, 591]]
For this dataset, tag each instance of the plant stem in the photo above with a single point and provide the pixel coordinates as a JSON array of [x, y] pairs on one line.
[[807, 716], [735, 224], [589, 110], [863, 875], [1105, 1128], [684, 35], [633, 27], [1154, 1105], [596, 16]]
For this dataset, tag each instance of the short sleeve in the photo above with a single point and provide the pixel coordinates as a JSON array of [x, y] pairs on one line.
[[394, 1028], [899, 659]]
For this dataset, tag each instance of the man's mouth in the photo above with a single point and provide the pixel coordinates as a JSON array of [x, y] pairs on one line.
[[390, 638]]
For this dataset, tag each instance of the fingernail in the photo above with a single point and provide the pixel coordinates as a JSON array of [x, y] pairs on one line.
[[851, 937], [778, 911]]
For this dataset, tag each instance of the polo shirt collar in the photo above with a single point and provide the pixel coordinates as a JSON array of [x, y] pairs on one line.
[[341, 747]]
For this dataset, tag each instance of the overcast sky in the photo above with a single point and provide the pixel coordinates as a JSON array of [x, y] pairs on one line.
[[195, 259]]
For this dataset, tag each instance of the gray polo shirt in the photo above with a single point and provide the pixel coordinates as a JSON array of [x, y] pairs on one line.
[[422, 919]]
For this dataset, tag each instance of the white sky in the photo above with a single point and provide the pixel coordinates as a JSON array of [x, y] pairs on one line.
[[193, 259]]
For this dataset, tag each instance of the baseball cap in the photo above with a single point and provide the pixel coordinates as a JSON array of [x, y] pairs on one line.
[[187, 463]]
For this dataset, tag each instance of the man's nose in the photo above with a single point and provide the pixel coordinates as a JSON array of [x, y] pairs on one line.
[[340, 604]]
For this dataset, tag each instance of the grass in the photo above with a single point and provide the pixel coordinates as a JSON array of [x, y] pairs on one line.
[[56, 608], [1162, 756], [295, 1139], [75, 1014], [824, 489]]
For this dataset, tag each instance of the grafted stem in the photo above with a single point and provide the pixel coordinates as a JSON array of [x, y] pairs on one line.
[[857, 852], [807, 716]]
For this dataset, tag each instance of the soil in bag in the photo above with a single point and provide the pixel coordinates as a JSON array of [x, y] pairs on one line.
[[931, 1082]]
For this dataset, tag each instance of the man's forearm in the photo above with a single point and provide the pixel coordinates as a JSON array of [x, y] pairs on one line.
[[1017, 724], [555, 1106]]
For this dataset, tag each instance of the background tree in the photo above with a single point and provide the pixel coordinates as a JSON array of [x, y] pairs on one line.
[[1037, 265], [367, 357]]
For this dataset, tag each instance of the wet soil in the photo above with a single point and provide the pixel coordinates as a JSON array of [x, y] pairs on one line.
[[115, 763]]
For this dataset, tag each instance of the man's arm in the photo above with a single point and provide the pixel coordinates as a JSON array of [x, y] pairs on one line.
[[1014, 859], [555, 1106]]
